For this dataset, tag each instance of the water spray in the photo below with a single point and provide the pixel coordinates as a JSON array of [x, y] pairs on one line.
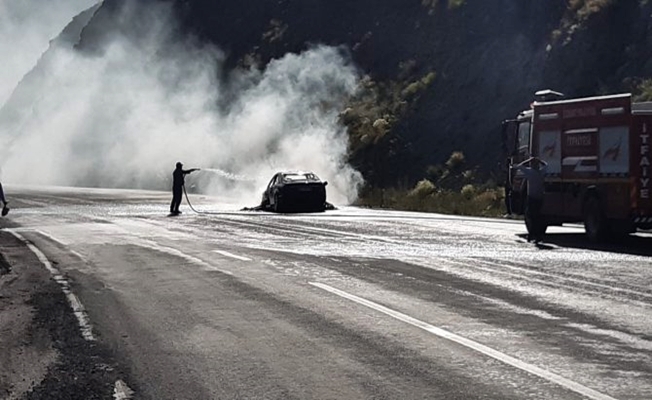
[[225, 174], [229, 175]]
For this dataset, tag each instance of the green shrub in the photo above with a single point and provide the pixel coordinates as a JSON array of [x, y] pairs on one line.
[[468, 191], [584, 9], [456, 160], [455, 3], [643, 91], [418, 86], [371, 114], [452, 4], [422, 189]]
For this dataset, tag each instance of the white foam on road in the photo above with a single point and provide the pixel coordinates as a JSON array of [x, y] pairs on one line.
[[227, 254], [122, 391], [61, 243], [75, 304], [520, 271], [488, 351]]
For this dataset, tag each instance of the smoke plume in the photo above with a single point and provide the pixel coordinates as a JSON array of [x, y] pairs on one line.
[[26, 27], [124, 115]]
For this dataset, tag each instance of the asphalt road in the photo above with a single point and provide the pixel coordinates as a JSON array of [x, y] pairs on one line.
[[346, 304]]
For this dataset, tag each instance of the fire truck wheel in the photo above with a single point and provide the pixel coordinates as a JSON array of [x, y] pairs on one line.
[[596, 224], [620, 229]]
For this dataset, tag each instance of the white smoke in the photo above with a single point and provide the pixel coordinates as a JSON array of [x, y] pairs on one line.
[[26, 27], [124, 118]]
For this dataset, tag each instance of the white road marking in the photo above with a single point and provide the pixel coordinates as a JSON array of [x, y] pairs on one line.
[[66, 245], [75, 304], [53, 239], [122, 391], [227, 254], [177, 253], [488, 351]]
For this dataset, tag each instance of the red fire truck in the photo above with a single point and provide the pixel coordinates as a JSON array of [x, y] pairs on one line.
[[598, 155]]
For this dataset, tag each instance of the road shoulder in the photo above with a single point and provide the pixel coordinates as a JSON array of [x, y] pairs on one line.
[[42, 351]]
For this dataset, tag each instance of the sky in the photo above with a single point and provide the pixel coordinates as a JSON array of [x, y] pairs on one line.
[[122, 117]]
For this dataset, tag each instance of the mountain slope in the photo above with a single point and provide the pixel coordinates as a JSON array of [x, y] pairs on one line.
[[437, 76]]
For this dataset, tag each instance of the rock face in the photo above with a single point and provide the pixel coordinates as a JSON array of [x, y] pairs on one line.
[[487, 59], [17, 108]]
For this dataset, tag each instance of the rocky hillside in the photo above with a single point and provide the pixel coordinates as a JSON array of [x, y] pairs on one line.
[[439, 76], [443, 74]]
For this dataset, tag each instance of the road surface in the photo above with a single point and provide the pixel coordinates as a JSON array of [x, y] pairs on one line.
[[346, 304]]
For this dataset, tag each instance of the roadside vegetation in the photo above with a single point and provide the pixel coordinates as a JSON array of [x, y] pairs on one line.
[[475, 201], [643, 90], [449, 188], [584, 9], [450, 4], [378, 106], [578, 14]]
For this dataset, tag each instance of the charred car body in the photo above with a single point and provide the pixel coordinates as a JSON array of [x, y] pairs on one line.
[[295, 192]]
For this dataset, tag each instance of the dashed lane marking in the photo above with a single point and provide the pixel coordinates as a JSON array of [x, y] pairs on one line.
[[488, 351], [227, 254], [142, 243], [75, 304], [177, 253]]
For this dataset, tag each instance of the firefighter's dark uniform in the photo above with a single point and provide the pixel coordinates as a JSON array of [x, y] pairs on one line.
[[178, 180], [5, 209]]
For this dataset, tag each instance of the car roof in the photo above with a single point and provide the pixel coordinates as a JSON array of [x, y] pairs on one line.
[[294, 173], [285, 173]]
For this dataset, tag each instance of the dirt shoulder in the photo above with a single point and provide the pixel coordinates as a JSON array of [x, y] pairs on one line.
[[42, 352]]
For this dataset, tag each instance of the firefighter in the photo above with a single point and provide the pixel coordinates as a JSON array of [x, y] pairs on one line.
[[5, 209], [534, 175], [178, 180]]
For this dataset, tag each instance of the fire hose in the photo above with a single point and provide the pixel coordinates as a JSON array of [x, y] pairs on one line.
[[193, 208]]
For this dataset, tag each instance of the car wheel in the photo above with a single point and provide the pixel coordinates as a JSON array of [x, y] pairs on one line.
[[264, 203], [277, 204]]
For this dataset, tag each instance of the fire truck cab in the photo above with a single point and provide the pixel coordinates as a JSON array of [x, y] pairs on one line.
[[598, 155]]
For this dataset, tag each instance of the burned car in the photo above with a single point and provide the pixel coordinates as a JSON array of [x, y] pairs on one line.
[[295, 192]]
